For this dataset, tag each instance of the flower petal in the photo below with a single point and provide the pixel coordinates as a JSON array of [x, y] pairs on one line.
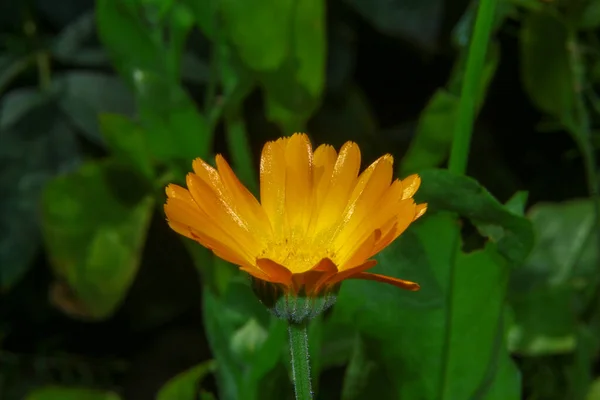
[[363, 204], [298, 181], [410, 184], [245, 202], [343, 180], [404, 218], [420, 210], [340, 276], [314, 278], [402, 284], [272, 184], [277, 273], [222, 217]]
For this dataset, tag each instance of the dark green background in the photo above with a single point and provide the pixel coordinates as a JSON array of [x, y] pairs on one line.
[[104, 103]]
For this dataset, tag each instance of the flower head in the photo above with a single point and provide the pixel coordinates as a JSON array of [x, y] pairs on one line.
[[318, 221]]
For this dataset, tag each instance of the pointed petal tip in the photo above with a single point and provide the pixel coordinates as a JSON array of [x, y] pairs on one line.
[[420, 209], [399, 283]]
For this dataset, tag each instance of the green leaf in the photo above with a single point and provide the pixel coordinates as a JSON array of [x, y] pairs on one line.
[[447, 191], [175, 130], [545, 70], [590, 15], [205, 13], [84, 95], [64, 393], [260, 30], [185, 385], [594, 391], [294, 89], [129, 43], [70, 46], [127, 142], [37, 143], [358, 371], [579, 372], [94, 225], [449, 333], [555, 283], [243, 360]]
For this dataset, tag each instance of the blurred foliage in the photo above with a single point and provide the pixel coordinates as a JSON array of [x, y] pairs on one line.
[[103, 103]]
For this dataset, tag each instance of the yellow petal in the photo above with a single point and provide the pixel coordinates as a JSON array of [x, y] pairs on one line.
[[411, 185], [420, 210], [298, 181], [277, 273], [272, 184], [405, 216], [187, 219], [365, 200], [245, 202], [222, 216], [340, 276], [343, 180], [402, 284], [385, 208]]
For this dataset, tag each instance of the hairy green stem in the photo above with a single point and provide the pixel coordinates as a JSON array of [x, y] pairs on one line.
[[300, 360]]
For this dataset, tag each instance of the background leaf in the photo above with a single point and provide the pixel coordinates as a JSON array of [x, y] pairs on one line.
[[185, 385], [96, 208]]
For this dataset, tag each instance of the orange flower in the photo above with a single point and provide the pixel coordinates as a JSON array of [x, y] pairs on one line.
[[318, 221]]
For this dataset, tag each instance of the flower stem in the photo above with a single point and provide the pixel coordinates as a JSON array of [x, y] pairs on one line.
[[300, 360], [470, 91]]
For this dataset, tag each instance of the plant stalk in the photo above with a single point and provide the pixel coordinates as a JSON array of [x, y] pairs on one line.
[[300, 360]]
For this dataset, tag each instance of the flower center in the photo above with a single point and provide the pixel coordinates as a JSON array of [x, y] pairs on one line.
[[297, 252]]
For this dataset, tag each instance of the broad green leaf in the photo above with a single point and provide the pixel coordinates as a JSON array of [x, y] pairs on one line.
[[185, 385], [579, 374], [84, 95], [175, 129], [545, 70], [127, 142], [447, 191], [544, 321], [94, 227], [438, 333], [590, 15], [553, 286], [594, 390], [243, 359], [64, 393], [506, 383], [260, 30], [18, 103], [71, 45], [127, 40], [294, 89], [205, 15], [37, 143], [358, 371]]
